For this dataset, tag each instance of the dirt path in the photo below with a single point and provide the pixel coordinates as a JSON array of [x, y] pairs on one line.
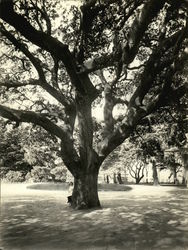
[[143, 218]]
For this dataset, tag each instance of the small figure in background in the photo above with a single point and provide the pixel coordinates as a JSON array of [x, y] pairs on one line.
[[70, 190]]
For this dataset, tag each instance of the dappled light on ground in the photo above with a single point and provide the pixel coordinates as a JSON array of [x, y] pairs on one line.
[[143, 218]]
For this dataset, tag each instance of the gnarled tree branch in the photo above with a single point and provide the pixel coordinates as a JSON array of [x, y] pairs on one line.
[[56, 48], [37, 64], [69, 154], [155, 66], [130, 49]]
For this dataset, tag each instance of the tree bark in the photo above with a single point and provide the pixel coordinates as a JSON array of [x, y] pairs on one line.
[[85, 193], [119, 178], [186, 177], [175, 175], [155, 175], [137, 180], [185, 163], [115, 178]]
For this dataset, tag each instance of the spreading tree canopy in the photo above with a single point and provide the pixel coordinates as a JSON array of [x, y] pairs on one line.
[[110, 53]]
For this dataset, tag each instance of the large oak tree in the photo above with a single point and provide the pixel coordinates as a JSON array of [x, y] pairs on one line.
[[124, 52]]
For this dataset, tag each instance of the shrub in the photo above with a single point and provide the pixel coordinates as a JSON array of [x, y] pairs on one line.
[[14, 176], [39, 174], [59, 173]]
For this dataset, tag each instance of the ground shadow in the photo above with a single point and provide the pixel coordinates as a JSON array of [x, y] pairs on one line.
[[49, 186], [64, 186], [128, 220]]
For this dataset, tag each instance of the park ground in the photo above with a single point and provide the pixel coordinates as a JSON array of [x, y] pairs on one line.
[[135, 218]]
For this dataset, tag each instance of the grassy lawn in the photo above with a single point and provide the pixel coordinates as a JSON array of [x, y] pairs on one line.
[[64, 186], [133, 218]]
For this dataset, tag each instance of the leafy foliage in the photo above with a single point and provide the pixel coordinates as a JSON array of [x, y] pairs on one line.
[[38, 174], [14, 176], [12, 154]]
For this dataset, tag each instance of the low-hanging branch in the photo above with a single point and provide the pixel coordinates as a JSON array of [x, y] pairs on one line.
[[31, 117], [38, 119]]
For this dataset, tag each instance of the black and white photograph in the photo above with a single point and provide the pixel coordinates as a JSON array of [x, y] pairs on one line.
[[93, 125]]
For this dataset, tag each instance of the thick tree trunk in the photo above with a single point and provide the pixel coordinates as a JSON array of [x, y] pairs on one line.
[[185, 163], [115, 178], [155, 175], [175, 175], [85, 193], [119, 178], [186, 177], [137, 180]]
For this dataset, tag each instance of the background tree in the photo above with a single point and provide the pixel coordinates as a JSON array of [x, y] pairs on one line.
[[161, 132], [122, 52], [173, 162], [29, 152], [153, 153], [113, 167], [167, 129], [41, 149], [184, 156], [13, 161], [136, 170]]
